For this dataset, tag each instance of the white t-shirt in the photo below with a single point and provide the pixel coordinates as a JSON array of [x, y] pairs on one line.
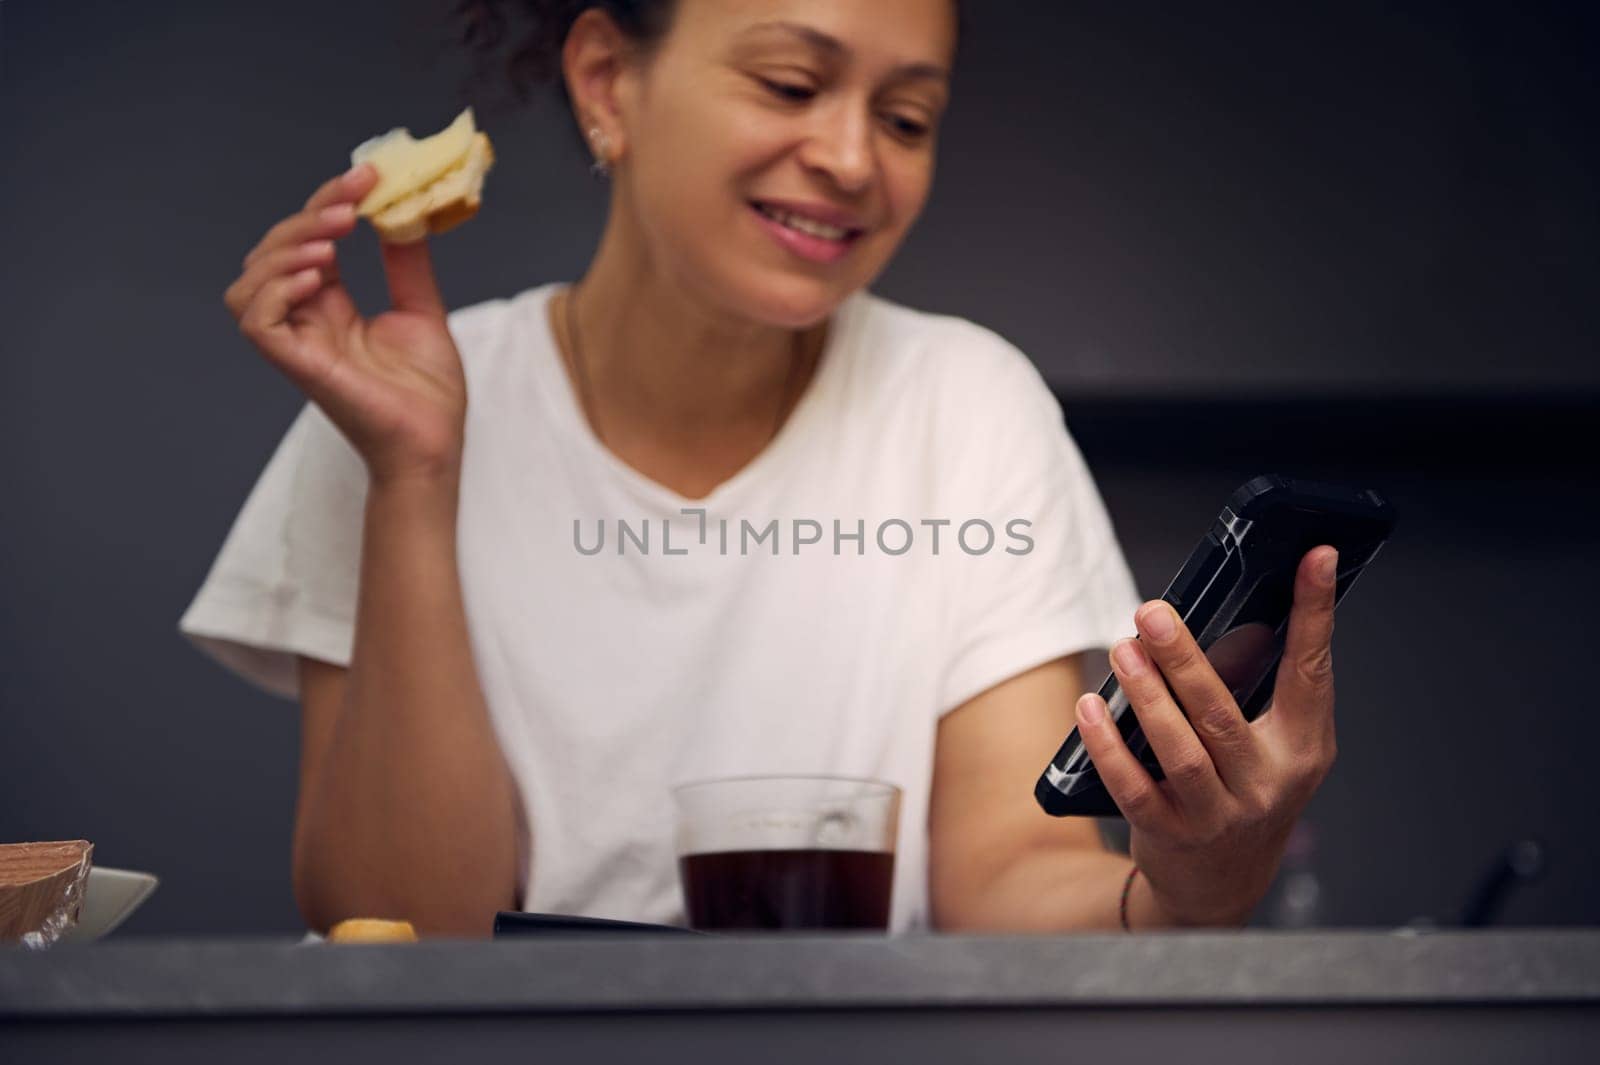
[[695, 646]]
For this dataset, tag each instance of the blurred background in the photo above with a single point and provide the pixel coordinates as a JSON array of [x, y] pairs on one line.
[[1356, 240]]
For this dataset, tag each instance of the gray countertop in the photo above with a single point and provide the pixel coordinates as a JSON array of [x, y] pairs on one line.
[[590, 973]]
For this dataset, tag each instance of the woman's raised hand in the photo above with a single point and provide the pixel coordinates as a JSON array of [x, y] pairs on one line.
[[393, 385], [1210, 836]]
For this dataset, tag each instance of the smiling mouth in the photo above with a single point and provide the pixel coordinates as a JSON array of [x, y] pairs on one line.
[[809, 226]]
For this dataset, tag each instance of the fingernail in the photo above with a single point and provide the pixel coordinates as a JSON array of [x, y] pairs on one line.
[[339, 212], [1127, 657], [1156, 619], [1090, 711], [354, 173], [1330, 566]]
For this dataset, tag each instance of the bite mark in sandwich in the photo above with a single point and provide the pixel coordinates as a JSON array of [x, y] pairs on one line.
[[426, 186]]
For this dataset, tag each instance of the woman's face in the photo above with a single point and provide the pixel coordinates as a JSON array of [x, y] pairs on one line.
[[753, 111]]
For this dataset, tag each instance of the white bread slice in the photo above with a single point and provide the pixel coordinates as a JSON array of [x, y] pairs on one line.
[[427, 186], [442, 205]]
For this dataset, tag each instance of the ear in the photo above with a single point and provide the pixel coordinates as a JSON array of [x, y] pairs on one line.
[[596, 62]]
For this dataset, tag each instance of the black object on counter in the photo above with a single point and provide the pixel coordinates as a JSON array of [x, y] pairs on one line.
[[515, 923]]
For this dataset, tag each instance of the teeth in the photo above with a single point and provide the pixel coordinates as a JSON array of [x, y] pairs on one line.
[[803, 224]]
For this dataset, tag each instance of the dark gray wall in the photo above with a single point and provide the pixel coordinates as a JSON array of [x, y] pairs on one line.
[[1164, 208]]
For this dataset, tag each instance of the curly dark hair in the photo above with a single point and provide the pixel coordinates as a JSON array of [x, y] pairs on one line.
[[535, 58]]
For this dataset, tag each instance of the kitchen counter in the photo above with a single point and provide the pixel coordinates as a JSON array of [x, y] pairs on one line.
[[1249, 996]]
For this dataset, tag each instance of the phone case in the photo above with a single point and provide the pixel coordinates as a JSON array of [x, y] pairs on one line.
[[1234, 594]]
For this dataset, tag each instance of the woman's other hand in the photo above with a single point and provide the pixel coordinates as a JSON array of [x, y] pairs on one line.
[[393, 385], [1209, 837]]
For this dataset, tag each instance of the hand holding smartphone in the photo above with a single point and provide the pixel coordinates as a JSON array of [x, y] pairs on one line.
[[1234, 594]]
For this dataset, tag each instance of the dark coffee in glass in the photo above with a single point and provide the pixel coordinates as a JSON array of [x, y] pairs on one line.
[[774, 853], [788, 889]]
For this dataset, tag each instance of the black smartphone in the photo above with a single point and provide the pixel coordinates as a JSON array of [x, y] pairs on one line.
[[1234, 595]]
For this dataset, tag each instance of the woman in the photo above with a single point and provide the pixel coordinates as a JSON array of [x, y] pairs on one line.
[[496, 697]]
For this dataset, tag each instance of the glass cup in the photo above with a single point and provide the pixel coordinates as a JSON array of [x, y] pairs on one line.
[[764, 853]]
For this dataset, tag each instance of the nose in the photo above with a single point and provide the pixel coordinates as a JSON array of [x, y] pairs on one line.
[[840, 146]]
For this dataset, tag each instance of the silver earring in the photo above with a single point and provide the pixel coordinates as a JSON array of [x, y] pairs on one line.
[[601, 167]]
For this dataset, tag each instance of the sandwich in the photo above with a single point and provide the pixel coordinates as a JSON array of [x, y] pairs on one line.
[[426, 186]]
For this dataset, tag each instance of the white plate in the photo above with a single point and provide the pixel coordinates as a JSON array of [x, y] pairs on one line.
[[111, 895]]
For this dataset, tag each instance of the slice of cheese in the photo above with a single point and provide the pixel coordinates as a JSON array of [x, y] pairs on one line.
[[405, 164], [441, 205]]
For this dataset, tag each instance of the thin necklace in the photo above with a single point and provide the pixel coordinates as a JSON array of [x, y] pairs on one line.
[[582, 374]]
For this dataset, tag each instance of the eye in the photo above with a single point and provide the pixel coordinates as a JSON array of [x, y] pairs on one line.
[[788, 91], [908, 128]]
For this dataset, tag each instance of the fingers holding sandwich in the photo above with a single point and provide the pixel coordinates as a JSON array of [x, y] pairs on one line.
[[329, 213], [349, 187], [292, 272], [275, 263], [304, 240], [408, 269], [394, 385], [265, 320]]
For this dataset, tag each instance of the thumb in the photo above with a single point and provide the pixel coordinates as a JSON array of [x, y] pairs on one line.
[[409, 271], [1302, 696]]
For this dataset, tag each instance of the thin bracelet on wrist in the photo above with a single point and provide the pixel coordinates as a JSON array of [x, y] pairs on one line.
[[1122, 903]]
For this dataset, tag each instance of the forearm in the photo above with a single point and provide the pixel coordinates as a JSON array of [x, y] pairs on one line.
[[412, 811], [1068, 889]]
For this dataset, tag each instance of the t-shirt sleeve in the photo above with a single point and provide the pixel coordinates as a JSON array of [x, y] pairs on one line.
[[1054, 581], [284, 583]]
